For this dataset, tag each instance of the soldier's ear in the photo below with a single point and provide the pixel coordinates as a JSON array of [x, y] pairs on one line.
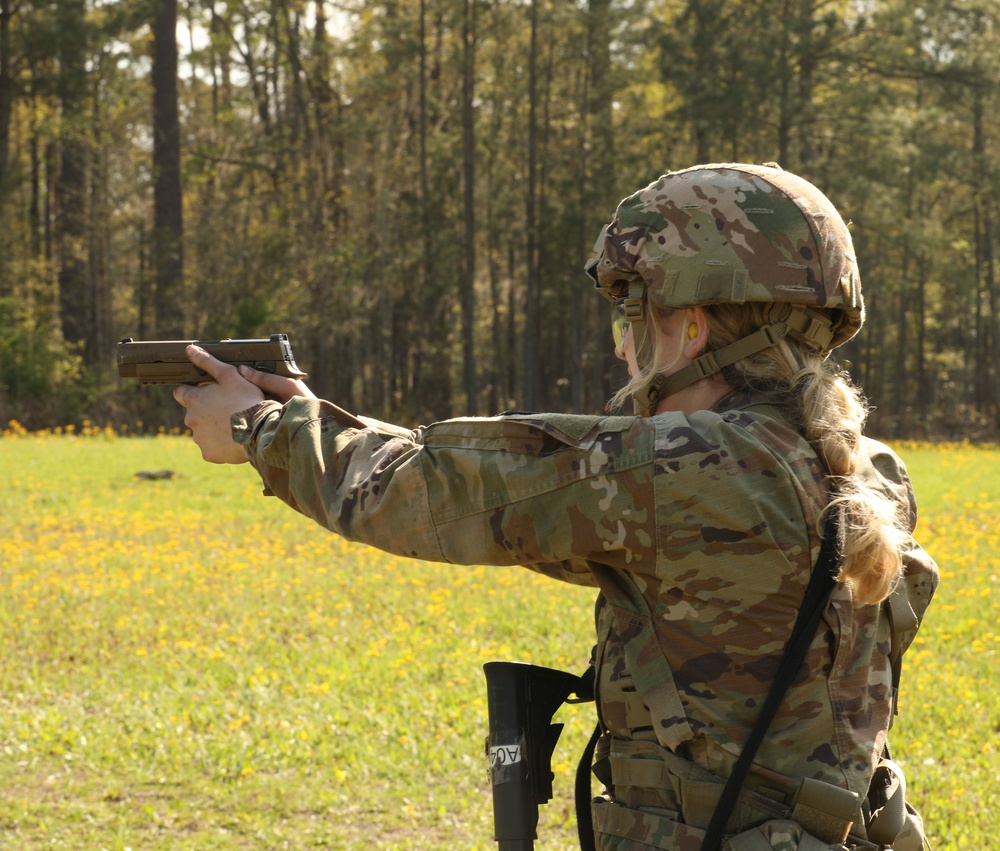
[[695, 332]]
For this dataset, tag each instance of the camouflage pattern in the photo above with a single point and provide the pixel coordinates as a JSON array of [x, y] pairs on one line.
[[732, 233], [619, 828], [700, 530]]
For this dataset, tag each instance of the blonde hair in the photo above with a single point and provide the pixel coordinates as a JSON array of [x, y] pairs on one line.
[[832, 414], [648, 352]]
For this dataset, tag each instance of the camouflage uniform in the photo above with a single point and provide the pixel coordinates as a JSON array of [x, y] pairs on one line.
[[700, 530], [707, 522]]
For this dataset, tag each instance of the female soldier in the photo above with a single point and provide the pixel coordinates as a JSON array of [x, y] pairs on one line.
[[700, 519]]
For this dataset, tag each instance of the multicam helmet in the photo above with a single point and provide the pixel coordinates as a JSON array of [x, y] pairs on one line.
[[734, 233]]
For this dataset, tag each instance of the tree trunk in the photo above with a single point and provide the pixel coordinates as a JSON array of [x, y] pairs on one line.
[[983, 344], [785, 70], [597, 189], [807, 61], [99, 335], [6, 106], [469, 171], [988, 300], [168, 220], [499, 364], [901, 381], [329, 373], [74, 307], [924, 390], [532, 319], [6, 92], [297, 111]]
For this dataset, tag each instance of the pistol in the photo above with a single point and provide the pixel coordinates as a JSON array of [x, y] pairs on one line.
[[164, 361]]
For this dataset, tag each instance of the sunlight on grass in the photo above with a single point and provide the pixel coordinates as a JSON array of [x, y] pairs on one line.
[[190, 665]]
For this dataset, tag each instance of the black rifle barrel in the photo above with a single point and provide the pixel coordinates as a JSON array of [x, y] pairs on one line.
[[521, 700]]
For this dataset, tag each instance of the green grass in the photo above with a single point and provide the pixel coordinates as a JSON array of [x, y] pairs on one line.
[[947, 732], [188, 665]]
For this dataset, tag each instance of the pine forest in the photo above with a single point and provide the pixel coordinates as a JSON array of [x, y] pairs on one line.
[[410, 188]]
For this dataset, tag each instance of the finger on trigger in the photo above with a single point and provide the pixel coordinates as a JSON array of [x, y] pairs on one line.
[[205, 361], [266, 381]]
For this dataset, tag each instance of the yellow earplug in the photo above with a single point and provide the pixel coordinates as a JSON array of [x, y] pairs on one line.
[[692, 330]]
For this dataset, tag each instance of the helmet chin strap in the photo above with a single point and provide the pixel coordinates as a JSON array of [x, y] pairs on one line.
[[802, 323]]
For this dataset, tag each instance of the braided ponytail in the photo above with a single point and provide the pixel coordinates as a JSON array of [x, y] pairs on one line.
[[832, 415]]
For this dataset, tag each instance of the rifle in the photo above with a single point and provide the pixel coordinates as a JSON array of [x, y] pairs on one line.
[[521, 701], [164, 361]]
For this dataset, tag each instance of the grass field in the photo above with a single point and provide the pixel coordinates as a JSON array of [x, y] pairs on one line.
[[188, 665]]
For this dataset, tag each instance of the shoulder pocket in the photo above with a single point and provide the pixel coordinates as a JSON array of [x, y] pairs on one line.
[[534, 434]]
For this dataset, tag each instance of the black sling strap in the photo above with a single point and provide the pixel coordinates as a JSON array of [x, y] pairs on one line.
[[584, 817], [818, 590], [806, 623]]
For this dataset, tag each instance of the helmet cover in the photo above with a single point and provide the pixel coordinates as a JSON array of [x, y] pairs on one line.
[[733, 233]]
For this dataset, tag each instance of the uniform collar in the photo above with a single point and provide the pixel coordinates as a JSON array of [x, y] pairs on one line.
[[781, 405]]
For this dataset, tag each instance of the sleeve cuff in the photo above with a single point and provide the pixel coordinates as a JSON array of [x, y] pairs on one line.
[[246, 424]]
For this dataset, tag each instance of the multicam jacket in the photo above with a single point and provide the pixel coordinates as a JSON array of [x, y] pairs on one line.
[[700, 530]]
